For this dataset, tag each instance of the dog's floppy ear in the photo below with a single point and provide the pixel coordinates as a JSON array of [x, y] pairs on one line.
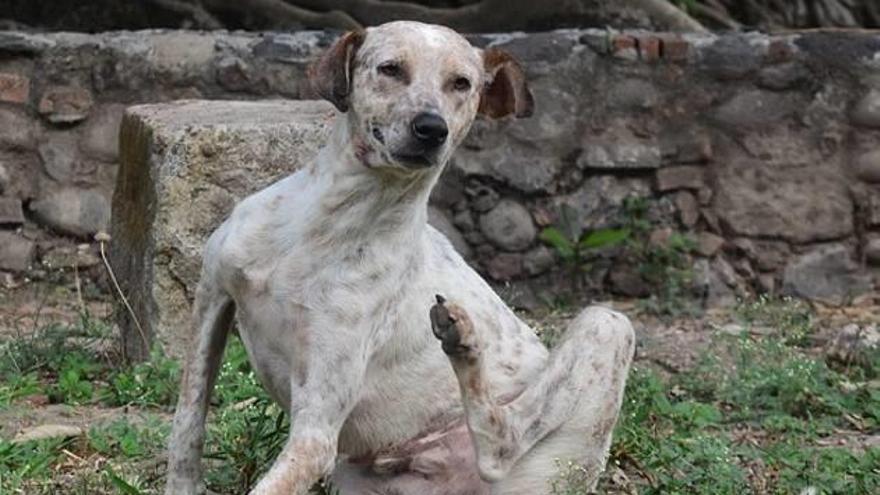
[[506, 91], [330, 75]]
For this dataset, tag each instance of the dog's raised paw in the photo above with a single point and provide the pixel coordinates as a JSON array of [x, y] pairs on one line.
[[452, 327]]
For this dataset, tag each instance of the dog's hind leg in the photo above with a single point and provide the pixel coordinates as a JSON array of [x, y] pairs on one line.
[[566, 413], [213, 312]]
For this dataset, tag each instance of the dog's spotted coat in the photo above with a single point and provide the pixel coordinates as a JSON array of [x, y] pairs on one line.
[[333, 274]]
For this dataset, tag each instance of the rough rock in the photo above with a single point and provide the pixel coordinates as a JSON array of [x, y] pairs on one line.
[[11, 212], [768, 255], [440, 221], [483, 198], [16, 129], [509, 226], [464, 220], [19, 174], [855, 344], [680, 177], [619, 153], [25, 43], [866, 113], [687, 146], [633, 95], [626, 281], [827, 274], [14, 88], [82, 256], [767, 283], [182, 56], [59, 154], [16, 252], [598, 202], [101, 135], [872, 250], [74, 211], [708, 244], [538, 260], [752, 110], [688, 209], [505, 266], [868, 166], [47, 432], [783, 76], [5, 177], [711, 280], [759, 202], [782, 146], [184, 165], [65, 104], [872, 209], [519, 166], [732, 57], [233, 74]]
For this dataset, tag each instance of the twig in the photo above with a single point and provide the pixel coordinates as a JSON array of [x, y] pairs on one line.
[[78, 285], [102, 238]]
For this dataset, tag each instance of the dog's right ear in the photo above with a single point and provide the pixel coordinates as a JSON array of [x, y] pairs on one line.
[[506, 91], [330, 75]]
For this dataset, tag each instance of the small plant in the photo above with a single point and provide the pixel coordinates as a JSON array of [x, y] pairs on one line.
[[663, 265], [124, 438], [790, 318], [576, 246], [75, 376], [150, 384]]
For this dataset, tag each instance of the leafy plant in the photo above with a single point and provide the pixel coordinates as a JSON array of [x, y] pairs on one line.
[[576, 250], [664, 266], [573, 244], [122, 437]]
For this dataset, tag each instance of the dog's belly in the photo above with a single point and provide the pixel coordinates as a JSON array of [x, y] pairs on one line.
[[409, 386], [439, 463]]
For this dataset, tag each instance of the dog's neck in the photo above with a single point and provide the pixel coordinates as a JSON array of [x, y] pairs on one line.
[[369, 201]]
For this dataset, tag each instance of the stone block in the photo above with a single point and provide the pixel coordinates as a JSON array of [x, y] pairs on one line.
[[14, 88], [65, 104], [10, 211], [680, 177], [828, 274], [184, 165], [16, 252], [801, 205]]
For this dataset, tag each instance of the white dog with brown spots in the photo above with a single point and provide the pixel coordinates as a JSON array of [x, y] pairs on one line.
[[337, 282]]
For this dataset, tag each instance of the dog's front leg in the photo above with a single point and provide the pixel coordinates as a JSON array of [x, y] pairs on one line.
[[321, 403]]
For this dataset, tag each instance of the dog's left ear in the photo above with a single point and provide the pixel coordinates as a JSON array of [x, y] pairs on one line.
[[330, 75], [506, 91]]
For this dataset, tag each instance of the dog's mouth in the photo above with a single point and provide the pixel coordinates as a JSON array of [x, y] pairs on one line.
[[413, 161]]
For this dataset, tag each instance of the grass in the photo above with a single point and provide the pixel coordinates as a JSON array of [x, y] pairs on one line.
[[757, 415], [245, 432], [761, 413]]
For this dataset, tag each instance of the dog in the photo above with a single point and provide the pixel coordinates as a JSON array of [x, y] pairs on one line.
[[341, 291]]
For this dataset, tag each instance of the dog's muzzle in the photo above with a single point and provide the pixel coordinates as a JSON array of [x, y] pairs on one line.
[[428, 132]]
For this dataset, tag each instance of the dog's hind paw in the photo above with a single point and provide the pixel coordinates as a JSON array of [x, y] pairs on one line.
[[453, 328]]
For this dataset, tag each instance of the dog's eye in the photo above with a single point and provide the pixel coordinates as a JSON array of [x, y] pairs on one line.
[[461, 84], [391, 69]]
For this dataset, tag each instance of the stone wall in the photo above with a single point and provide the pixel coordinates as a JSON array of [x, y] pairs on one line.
[[764, 150]]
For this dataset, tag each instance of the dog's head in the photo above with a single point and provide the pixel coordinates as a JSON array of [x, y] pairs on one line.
[[412, 91]]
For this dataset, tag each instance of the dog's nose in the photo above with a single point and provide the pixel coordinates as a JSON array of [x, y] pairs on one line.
[[430, 129]]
